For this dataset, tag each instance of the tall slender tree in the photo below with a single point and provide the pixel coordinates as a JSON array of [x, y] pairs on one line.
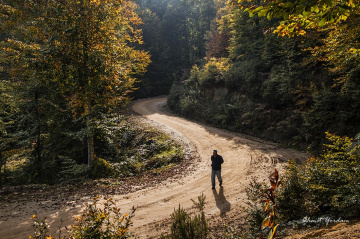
[[84, 49]]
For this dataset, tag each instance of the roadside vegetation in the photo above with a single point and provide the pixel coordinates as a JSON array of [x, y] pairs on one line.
[[100, 219], [289, 90], [322, 191], [124, 150]]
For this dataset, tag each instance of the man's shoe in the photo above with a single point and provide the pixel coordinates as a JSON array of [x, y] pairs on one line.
[[220, 183]]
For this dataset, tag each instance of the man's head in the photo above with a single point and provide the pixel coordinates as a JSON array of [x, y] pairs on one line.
[[214, 152]]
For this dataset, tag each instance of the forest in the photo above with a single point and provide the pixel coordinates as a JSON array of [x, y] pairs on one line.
[[283, 71], [258, 78]]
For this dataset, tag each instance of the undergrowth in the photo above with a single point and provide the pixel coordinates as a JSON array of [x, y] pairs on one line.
[[324, 189], [99, 220], [185, 226], [123, 149]]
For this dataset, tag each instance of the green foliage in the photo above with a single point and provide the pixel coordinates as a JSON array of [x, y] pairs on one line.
[[301, 13], [102, 169], [103, 219], [108, 222], [230, 95], [131, 150], [293, 191], [70, 171], [176, 93], [8, 108], [164, 158], [255, 211], [96, 221], [69, 71], [41, 228], [325, 185], [263, 207], [185, 226], [71, 52], [333, 178], [271, 87], [123, 149]]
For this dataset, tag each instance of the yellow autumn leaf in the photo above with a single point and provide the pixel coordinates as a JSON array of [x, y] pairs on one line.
[[267, 205]]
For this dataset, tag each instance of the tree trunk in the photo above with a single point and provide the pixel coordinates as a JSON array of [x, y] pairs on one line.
[[38, 135], [91, 153], [90, 141], [90, 129]]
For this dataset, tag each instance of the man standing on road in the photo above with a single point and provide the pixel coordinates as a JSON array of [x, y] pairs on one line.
[[216, 161]]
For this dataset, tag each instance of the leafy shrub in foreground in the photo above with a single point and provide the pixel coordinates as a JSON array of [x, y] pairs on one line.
[[326, 185], [292, 193], [263, 219], [271, 205], [186, 227], [254, 209], [95, 222]]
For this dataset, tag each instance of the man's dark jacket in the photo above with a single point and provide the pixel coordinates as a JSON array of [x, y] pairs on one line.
[[216, 162]]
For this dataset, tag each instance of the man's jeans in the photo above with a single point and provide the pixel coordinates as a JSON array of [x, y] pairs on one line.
[[218, 174]]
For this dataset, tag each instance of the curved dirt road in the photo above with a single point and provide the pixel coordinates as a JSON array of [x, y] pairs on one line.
[[245, 157]]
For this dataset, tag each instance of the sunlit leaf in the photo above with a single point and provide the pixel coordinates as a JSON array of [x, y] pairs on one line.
[[266, 223], [272, 232], [262, 13], [322, 22]]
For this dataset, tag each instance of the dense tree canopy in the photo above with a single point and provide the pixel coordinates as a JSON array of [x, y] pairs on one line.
[[337, 20], [309, 14], [71, 62], [286, 89]]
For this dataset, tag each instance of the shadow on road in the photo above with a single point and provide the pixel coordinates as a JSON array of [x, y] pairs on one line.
[[221, 202]]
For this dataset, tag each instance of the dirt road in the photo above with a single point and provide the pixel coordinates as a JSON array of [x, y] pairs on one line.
[[245, 157]]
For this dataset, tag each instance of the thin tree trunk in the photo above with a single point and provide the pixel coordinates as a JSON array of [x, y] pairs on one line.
[[91, 153], [90, 130], [90, 141], [38, 135]]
